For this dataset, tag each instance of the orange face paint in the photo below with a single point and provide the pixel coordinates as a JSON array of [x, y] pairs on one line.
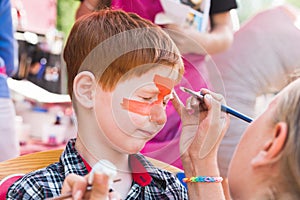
[[164, 86]]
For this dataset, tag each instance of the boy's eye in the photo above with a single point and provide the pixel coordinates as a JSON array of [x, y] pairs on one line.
[[146, 98]]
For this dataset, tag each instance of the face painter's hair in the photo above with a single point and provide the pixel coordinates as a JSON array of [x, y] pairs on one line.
[[288, 110], [112, 43]]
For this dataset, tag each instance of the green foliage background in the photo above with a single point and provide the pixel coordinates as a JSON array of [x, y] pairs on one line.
[[66, 15]]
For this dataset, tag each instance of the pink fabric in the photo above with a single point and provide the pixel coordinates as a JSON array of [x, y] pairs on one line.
[[165, 145], [145, 8]]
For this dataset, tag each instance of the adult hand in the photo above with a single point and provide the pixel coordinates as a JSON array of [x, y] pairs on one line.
[[203, 127], [77, 186]]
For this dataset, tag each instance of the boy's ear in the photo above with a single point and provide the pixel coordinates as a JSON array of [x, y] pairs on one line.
[[84, 88], [272, 147]]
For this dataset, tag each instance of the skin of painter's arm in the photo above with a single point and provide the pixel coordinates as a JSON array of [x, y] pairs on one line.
[[205, 121], [85, 8], [218, 39]]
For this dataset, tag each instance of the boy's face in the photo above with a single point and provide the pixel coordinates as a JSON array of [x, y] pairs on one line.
[[134, 112]]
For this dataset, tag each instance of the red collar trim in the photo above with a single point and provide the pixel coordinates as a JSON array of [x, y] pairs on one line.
[[87, 166], [139, 173]]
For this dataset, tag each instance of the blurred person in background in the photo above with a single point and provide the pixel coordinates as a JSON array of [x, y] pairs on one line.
[[9, 145]]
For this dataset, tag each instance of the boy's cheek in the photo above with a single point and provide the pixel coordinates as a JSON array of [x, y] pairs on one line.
[[128, 121], [138, 120]]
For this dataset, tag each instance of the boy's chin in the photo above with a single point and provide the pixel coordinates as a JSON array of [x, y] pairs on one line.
[[135, 149]]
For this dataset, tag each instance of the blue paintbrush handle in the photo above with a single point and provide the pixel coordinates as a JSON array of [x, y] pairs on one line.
[[236, 113], [223, 107]]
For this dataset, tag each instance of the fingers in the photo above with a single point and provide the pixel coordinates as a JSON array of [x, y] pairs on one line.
[[178, 105], [77, 186], [217, 120], [192, 103], [100, 187], [202, 130], [218, 100], [216, 96], [74, 184]]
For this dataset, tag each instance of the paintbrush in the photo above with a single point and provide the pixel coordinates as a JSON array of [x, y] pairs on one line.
[[223, 107], [69, 194]]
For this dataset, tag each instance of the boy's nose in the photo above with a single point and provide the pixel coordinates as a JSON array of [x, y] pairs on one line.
[[158, 114]]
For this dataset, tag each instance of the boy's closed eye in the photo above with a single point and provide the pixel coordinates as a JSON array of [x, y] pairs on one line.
[[147, 94], [151, 99], [148, 99]]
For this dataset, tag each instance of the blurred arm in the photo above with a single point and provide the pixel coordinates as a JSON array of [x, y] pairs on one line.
[[217, 39], [88, 6]]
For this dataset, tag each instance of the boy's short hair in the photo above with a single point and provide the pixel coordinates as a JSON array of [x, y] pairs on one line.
[[112, 43]]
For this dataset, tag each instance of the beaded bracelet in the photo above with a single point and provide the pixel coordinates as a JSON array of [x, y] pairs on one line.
[[203, 179]]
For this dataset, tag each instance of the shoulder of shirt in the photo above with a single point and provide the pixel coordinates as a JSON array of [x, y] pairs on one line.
[[34, 181]]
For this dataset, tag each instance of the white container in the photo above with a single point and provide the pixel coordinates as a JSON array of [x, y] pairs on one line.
[[23, 130], [37, 119], [53, 134]]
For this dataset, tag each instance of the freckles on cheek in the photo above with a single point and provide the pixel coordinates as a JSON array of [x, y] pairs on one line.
[[164, 86]]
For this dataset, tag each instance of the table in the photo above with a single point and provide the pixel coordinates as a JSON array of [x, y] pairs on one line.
[[36, 145]]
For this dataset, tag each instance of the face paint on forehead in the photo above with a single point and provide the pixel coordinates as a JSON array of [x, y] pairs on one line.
[[164, 85]]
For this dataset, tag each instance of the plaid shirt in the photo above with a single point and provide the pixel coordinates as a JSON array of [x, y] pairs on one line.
[[47, 182]]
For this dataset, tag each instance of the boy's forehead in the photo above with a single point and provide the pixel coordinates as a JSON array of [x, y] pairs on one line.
[[170, 72], [159, 73], [168, 78], [163, 81], [165, 76]]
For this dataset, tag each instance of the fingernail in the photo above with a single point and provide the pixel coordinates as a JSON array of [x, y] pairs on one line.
[[219, 97], [208, 97]]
